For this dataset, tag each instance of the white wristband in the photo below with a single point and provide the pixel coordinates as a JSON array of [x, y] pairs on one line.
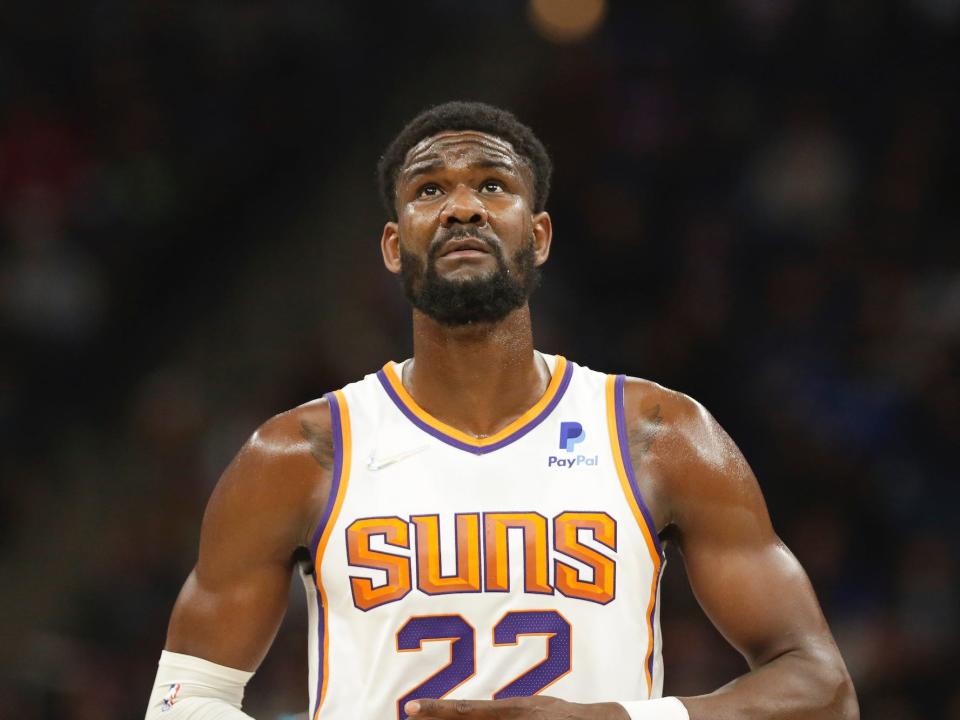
[[668, 708], [191, 688]]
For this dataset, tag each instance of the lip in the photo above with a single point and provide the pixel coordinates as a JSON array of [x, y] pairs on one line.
[[465, 254], [464, 247]]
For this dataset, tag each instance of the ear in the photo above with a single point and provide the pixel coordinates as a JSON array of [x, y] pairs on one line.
[[542, 237], [390, 247]]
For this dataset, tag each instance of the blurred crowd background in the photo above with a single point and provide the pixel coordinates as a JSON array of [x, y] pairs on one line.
[[755, 202]]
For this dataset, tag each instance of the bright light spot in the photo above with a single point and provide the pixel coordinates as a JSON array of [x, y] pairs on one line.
[[565, 21]]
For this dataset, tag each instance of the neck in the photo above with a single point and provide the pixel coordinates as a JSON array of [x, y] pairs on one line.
[[477, 378]]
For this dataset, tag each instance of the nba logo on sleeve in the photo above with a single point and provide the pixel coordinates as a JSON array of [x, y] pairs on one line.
[[571, 433]]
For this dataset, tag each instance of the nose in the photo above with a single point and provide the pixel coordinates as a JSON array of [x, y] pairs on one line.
[[463, 207]]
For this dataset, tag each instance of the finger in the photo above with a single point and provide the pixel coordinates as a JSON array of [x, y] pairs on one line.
[[456, 709]]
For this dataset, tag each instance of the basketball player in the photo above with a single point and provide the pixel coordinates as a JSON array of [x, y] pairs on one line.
[[485, 522]]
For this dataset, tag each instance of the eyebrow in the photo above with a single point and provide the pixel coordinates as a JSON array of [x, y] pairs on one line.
[[427, 166], [508, 167], [422, 168]]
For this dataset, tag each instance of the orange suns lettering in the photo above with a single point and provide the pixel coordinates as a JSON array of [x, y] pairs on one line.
[[409, 553]]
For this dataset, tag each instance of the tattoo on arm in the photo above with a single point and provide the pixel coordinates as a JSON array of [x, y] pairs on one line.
[[321, 443], [641, 436]]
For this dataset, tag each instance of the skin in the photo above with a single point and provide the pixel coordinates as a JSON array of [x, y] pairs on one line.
[[703, 496]]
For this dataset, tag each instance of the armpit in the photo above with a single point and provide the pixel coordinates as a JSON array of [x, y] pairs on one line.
[[642, 432], [320, 439]]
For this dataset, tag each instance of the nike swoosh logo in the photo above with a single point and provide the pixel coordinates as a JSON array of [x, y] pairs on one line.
[[380, 463]]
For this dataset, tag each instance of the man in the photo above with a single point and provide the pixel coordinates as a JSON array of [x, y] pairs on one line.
[[485, 522]]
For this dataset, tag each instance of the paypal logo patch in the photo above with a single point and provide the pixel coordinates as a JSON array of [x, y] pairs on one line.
[[571, 433]]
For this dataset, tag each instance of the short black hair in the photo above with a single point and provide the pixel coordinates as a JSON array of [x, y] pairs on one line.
[[462, 115]]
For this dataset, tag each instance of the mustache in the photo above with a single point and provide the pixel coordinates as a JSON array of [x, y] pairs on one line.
[[444, 235]]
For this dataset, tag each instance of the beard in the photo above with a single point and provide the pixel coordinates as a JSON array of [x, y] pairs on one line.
[[486, 299]]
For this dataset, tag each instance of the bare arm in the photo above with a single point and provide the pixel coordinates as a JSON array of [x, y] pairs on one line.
[[263, 509], [749, 584]]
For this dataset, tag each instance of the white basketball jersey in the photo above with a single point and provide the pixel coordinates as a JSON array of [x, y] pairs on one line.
[[449, 566]]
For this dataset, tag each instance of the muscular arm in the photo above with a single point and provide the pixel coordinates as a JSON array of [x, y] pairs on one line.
[[263, 509], [749, 584]]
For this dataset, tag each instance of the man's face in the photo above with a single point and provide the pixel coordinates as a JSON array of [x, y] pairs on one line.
[[466, 243]]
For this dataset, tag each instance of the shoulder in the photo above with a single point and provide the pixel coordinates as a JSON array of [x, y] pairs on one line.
[[281, 475], [295, 435], [662, 414], [676, 440]]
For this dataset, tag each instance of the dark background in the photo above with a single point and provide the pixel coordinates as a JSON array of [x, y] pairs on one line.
[[755, 202]]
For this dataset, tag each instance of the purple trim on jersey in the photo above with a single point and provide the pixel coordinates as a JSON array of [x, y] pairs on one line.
[[335, 478], [320, 631], [628, 464], [477, 449], [652, 626], [336, 430]]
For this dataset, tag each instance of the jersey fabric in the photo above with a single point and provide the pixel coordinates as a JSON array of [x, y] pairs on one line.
[[450, 566]]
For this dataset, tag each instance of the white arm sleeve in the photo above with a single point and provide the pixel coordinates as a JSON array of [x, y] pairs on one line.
[[668, 708], [190, 688]]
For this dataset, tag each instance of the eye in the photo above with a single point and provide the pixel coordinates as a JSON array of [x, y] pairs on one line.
[[428, 191], [492, 186]]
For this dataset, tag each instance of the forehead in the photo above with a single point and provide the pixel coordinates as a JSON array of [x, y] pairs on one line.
[[461, 148]]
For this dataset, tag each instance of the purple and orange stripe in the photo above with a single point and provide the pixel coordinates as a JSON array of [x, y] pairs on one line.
[[340, 426], [617, 426], [394, 388]]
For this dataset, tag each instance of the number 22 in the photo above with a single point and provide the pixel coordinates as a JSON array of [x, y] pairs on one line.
[[462, 638]]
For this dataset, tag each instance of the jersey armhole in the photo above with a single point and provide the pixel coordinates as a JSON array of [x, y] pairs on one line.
[[340, 477], [617, 427]]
